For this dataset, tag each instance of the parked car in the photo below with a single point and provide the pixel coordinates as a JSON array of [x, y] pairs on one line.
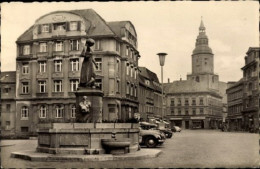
[[176, 129], [151, 137], [168, 133]]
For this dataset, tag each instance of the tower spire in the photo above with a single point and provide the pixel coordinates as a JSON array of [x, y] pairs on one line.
[[202, 27]]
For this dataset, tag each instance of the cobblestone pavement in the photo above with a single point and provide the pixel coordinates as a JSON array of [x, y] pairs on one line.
[[190, 148]]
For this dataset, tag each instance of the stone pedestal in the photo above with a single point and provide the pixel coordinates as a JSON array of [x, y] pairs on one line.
[[95, 97]]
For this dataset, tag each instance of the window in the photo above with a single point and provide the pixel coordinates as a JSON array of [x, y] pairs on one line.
[[59, 46], [194, 111], [132, 90], [99, 83], [57, 65], [42, 86], [97, 45], [60, 26], [126, 50], [135, 73], [45, 28], [73, 26], [25, 87], [127, 88], [74, 45], [193, 101], [197, 79], [74, 64], [117, 86], [179, 101], [172, 111], [73, 111], [57, 86], [6, 89], [42, 66], [26, 50], [24, 129], [131, 71], [172, 102], [24, 113], [201, 101], [25, 68], [59, 111], [186, 102], [127, 69], [186, 111], [8, 108], [117, 46], [43, 112], [201, 110], [118, 65], [135, 91], [43, 47], [179, 111], [99, 63], [74, 84]]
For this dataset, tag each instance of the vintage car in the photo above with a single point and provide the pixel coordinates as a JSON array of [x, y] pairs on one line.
[[150, 136]]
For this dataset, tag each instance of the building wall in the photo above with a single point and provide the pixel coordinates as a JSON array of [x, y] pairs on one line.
[[235, 105], [110, 51], [251, 90]]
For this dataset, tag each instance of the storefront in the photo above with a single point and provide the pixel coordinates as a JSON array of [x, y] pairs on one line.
[[197, 122]]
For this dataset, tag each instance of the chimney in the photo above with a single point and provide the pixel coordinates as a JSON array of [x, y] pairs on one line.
[[180, 79], [168, 80]]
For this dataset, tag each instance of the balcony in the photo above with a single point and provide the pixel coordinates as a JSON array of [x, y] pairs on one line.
[[57, 75]]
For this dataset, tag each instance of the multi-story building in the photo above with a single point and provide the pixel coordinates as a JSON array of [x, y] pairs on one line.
[[235, 105], [251, 89], [198, 101], [49, 63], [149, 95], [8, 107]]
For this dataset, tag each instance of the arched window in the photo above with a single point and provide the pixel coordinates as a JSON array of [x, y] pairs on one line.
[[24, 113], [73, 111], [43, 111], [59, 111]]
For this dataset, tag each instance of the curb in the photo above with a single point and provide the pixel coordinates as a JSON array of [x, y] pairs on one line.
[[45, 157]]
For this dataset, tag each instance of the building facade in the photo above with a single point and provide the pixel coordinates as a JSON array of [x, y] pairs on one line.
[[235, 105], [251, 90], [49, 63], [149, 95], [198, 101], [8, 107]]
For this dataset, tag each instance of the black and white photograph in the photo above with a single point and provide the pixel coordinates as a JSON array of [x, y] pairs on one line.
[[138, 84]]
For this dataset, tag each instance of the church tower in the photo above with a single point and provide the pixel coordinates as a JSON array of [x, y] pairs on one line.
[[203, 61], [202, 56]]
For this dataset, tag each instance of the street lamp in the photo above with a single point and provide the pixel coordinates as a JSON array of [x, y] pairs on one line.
[[162, 59]]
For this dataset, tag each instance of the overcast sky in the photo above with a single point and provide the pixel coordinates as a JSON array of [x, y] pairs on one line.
[[171, 27]]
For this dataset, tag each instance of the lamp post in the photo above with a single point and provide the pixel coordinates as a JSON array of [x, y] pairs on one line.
[[162, 59]]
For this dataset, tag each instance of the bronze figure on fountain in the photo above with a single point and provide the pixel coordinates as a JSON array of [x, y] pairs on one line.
[[87, 74]]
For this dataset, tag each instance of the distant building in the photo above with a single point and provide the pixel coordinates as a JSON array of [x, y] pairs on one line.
[[48, 67], [235, 105], [8, 107], [198, 101], [251, 89], [149, 95]]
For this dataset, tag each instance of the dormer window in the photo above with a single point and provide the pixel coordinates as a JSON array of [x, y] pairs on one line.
[[45, 28], [147, 82], [60, 26], [73, 26]]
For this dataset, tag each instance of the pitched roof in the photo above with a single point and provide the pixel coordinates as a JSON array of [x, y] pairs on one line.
[[146, 74], [185, 86], [117, 25], [8, 77], [98, 26]]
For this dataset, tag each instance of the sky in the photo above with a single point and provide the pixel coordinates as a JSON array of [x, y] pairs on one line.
[[170, 27]]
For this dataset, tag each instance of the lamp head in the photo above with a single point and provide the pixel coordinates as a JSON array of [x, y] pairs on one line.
[[162, 58]]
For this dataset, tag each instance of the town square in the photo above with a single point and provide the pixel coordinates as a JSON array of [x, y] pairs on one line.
[[130, 84]]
